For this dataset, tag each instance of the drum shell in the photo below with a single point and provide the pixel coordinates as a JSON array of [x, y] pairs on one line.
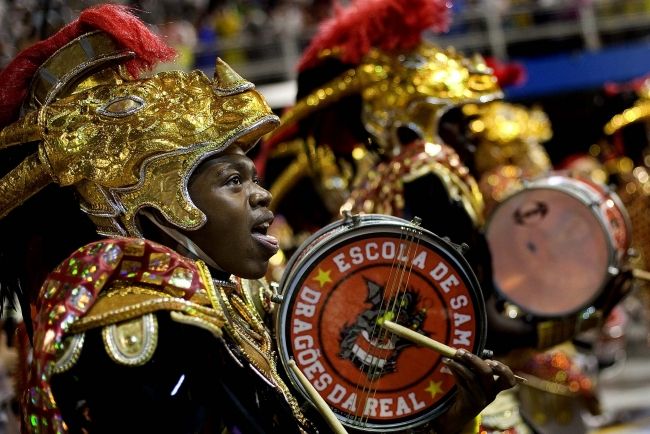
[[603, 205]]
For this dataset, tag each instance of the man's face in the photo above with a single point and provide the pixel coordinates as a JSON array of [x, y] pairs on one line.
[[226, 189]]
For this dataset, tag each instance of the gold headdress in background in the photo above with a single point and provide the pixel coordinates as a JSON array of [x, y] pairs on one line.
[[509, 134]]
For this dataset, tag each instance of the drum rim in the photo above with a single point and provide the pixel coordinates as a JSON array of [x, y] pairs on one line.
[[612, 262], [313, 240], [323, 247]]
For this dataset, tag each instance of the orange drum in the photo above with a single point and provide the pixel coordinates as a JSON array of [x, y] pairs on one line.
[[346, 278], [556, 243]]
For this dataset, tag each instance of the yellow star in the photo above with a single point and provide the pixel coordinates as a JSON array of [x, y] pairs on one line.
[[434, 388], [323, 277]]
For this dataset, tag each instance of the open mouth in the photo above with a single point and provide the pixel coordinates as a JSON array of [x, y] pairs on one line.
[[260, 234]]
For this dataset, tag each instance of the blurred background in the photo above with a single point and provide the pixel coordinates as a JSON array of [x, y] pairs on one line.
[[571, 49]]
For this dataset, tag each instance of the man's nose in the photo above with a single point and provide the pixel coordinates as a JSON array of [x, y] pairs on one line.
[[260, 196]]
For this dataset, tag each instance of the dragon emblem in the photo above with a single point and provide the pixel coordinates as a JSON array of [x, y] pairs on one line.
[[373, 350]]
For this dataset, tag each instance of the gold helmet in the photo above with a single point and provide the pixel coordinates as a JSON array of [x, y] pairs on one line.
[[403, 80], [126, 143]]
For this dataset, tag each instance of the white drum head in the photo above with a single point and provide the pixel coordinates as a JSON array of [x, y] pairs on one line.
[[550, 252]]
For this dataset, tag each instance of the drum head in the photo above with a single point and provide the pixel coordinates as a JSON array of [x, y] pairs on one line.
[[327, 323], [550, 251]]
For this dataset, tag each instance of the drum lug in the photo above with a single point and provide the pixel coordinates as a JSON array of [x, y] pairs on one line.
[[512, 311], [632, 253], [613, 271], [417, 221], [276, 297], [461, 248], [487, 354], [350, 219]]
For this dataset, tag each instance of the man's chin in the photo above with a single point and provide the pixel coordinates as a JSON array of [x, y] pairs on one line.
[[255, 270]]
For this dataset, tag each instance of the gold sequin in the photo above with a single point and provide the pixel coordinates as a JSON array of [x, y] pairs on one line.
[[135, 247], [152, 278], [159, 261], [80, 297], [181, 278], [52, 288], [130, 268]]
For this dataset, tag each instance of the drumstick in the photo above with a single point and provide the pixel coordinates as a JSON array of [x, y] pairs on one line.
[[641, 274], [419, 339], [426, 341], [318, 400]]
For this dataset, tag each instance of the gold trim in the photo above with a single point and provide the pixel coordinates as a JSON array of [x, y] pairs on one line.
[[24, 181], [348, 83], [639, 112], [128, 312], [289, 177], [247, 330], [465, 191], [22, 131], [72, 350], [132, 343]]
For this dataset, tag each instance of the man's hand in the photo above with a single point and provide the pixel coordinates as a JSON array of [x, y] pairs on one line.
[[479, 381]]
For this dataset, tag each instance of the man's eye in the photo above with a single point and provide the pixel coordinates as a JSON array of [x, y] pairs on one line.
[[257, 180], [234, 180]]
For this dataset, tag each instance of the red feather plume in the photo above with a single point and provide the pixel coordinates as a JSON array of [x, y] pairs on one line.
[[386, 24], [507, 74], [634, 85], [116, 20]]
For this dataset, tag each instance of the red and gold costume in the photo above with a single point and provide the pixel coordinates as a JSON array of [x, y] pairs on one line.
[[119, 286]]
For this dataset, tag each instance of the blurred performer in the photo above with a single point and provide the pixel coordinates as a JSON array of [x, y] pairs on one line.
[[378, 123], [366, 129], [367, 95], [508, 141], [629, 168], [129, 334]]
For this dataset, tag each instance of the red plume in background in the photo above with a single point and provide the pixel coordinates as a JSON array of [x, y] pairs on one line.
[[612, 88], [385, 24], [116, 20], [507, 74]]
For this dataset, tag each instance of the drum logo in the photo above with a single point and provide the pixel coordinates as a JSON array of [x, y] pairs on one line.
[[375, 354], [333, 327]]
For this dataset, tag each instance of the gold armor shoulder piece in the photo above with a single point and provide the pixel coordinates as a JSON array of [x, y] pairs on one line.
[[132, 342], [126, 302], [72, 346]]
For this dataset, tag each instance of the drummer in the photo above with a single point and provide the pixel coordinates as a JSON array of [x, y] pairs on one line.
[[132, 335]]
